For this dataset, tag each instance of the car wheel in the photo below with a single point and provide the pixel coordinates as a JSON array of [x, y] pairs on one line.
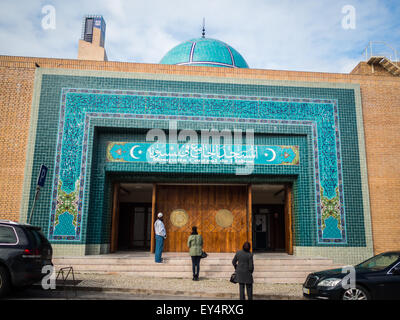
[[357, 293], [4, 282]]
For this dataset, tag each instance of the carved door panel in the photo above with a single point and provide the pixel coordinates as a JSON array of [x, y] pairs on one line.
[[218, 211]]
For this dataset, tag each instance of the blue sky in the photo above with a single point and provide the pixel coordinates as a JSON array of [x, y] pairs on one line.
[[301, 35]]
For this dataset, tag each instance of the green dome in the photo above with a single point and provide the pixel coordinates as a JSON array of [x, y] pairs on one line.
[[204, 52]]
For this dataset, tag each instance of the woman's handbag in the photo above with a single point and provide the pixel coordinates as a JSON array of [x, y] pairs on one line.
[[233, 278], [204, 254]]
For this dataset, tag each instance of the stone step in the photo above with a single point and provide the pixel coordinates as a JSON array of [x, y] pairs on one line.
[[185, 255], [208, 274], [187, 261], [205, 272], [282, 276], [180, 275], [188, 267], [271, 277], [271, 268], [211, 274]]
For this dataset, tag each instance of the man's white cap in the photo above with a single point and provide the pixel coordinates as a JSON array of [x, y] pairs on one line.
[[159, 215]]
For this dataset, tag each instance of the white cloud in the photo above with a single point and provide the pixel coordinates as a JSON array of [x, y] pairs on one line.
[[287, 34]]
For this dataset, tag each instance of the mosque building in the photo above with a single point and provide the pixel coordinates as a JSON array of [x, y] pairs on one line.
[[302, 163]]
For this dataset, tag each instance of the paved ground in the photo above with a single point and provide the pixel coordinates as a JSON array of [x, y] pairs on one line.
[[148, 288], [39, 294]]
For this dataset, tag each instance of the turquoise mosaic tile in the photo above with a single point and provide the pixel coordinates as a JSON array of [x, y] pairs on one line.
[[322, 116], [328, 196]]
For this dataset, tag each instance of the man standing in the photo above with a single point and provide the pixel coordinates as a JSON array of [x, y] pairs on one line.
[[161, 235]]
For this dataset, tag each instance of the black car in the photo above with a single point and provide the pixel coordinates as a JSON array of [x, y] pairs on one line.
[[376, 278], [24, 251]]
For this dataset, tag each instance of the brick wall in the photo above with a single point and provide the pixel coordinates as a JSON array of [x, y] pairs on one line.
[[381, 108], [375, 70], [16, 87], [380, 94]]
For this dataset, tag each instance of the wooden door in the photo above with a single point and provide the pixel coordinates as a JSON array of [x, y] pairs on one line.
[[249, 230], [202, 204], [153, 219], [288, 220]]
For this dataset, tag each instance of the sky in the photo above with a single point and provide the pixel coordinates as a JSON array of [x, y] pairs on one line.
[[299, 35]]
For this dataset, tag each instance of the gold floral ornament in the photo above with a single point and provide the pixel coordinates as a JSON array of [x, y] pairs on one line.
[[224, 218], [179, 218]]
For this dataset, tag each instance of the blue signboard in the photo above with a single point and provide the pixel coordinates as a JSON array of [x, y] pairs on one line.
[[42, 176], [186, 153]]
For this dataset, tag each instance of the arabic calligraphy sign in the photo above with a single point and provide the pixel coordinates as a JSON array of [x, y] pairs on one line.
[[186, 153]]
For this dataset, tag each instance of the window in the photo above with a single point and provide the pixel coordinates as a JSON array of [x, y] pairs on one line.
[[395, 269], [88, 34], [89, 26], [37, 237], [7, 235], [379, 262]]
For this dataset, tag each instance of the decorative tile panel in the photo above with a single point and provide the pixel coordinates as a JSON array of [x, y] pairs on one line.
[[188, 153], [79, 106]]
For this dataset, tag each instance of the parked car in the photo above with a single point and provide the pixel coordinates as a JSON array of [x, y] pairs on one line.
[[375, 278], [24, 251]]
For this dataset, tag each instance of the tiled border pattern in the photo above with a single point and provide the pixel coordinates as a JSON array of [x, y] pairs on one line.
[[60, 196]]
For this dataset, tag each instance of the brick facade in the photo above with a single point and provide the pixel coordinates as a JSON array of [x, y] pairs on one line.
[[381, 116]]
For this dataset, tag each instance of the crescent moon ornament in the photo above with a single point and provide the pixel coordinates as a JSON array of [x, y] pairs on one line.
[[273, 153], [132, 152]]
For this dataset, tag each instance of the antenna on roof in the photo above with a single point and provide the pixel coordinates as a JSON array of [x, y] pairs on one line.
[[203, 34]]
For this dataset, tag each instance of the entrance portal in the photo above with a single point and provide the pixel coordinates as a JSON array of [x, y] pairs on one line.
[[225, 215], [219, 211], [134, 226], [268, 211], [133, 219]]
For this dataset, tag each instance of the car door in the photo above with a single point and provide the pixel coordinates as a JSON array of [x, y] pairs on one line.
[[392, 284]]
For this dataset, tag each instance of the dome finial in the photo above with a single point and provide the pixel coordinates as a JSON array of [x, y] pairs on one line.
[[203, 34]]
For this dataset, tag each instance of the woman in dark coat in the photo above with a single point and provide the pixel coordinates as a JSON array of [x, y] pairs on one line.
[[244, 266]]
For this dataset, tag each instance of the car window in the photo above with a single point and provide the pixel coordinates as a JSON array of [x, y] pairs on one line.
[[7, 235], [41, 235], [380, 262], [36, 237]]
